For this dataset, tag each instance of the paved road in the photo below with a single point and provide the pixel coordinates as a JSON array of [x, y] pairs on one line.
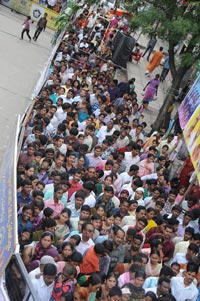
[[138, 72], [20, 65]]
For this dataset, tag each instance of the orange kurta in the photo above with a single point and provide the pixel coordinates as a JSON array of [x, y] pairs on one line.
[[90, 262], [155, 61]]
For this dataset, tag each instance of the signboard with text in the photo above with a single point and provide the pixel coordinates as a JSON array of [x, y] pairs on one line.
[[189, 116], [8, 211]]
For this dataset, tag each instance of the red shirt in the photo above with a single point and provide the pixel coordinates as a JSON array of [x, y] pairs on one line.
[[74, 187]]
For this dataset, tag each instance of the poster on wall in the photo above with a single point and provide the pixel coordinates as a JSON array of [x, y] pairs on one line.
[[190, 103], [21, 6], [8, 208], [37, 11], [191, 134]]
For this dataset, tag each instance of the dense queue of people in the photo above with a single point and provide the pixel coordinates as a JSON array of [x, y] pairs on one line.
[[104, 211]]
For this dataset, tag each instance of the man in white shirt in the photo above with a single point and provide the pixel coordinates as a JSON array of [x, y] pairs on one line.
[[43, 285], [137, 133], [89, 130], [128, 175], [183, 258], [122, 140], [183, 288], [43, 261], [162, 288], [169, 141], [133, 156], [106, 131], [84, 43], [86, 238]]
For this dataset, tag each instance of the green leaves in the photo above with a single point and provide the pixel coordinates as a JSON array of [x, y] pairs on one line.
[[64, 18]]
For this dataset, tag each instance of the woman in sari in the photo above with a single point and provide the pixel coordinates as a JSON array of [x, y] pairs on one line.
[[151, 90], [34, 252]]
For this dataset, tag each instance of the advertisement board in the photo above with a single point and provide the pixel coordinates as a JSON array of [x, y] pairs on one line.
[[191, 134], [189, 116], [37, 11], [21, 6], [190, 103], [8, 237], [34, 9]]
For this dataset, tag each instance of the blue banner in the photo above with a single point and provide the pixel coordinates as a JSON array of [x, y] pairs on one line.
[[7, 207]]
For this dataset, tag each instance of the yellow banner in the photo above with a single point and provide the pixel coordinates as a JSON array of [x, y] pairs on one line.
[[192, 137], [37, 11], [21, 6]]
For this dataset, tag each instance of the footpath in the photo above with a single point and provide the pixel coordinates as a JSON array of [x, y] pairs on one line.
[[137, 70]]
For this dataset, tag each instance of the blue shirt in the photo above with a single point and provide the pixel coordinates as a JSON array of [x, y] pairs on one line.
[[21, 227], [25, 201]]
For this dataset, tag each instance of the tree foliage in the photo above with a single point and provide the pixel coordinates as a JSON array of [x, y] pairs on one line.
[[172, 22], [179, 26]]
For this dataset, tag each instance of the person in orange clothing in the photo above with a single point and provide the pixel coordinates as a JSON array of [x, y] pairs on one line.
[[91, 260], [155, 61]]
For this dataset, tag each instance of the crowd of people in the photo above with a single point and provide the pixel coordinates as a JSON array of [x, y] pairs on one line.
[[104, 211]]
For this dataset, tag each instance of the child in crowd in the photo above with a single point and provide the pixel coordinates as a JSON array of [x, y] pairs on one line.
[[64, 283]]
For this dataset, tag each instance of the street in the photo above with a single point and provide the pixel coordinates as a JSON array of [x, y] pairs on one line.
[[21, 63]]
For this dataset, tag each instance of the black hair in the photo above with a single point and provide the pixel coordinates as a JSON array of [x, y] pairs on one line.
[[134, 267], [140, 273], [100, 206], [80, 194], [77, 257], [57, 188], [139, 237], [48, 212], [131, 232], [189, 230], [99, 248], [160, 203], [177, 208], [173, 221], [193, 247], [86, 208], [89, 185], [163, 279], [26, 182], [84, 225], [77, 238], [69, 244], [27, 207], [50, 269], [152, 295], [166, 271], [139, 208], [95, 217], [108, 245], [155, 251], [117, 215], [137, 258], [47, 233], [94, 279], [155, 243], [48, 223], [144, 220], [70, 269], [150, 209], [109, 189], [36, 193], [38, 204], [176, 264], [115, 291]]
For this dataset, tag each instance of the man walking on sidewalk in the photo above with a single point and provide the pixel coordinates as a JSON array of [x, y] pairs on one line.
[[150, 46], [41, 25]]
